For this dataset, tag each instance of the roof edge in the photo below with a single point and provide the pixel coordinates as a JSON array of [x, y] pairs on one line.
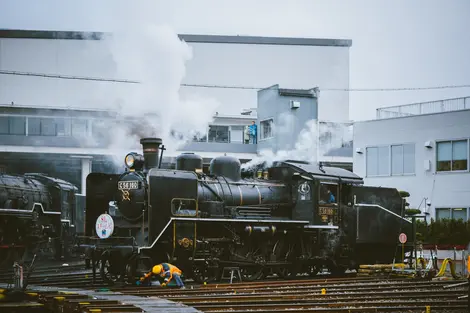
[[195, 38]]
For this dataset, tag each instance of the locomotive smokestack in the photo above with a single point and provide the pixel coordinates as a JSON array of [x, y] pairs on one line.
[[150, 148]]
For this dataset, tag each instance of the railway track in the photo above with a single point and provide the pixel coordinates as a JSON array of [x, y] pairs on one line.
[[75, 274], [354, 294], [54, 273], [328, 295], [322, 294]]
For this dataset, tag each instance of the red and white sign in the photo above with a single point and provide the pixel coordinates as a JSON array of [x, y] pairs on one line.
[[104, 226], [402, 238]]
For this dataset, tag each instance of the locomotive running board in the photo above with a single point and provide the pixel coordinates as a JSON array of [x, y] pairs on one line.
[[195, 219], [35, 204]]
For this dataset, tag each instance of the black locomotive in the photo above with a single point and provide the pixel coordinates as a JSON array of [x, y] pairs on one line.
[[36, 212], [291, 218]]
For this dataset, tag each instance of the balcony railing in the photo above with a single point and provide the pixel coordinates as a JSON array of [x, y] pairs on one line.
[[446, 105]]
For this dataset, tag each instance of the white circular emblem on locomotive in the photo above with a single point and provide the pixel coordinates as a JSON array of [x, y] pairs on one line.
[[104, 226], [304, 188]]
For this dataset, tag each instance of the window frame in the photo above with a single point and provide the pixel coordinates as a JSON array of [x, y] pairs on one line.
[[389, 163], [452, 208], [260, 130], [218, 125], [242, 127], [9, 124], [389, 166], [403, 154], [437, 151]]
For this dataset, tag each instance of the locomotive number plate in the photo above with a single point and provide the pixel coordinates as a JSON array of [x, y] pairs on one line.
[[326, 211], [126, 185]]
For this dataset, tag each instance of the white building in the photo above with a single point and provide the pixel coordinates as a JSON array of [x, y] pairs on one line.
[[420, 148], [299, 63], [40, 131]]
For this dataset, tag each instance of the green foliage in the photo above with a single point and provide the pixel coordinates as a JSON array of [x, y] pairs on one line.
[[445, 231], [404, 194], [410, 212]]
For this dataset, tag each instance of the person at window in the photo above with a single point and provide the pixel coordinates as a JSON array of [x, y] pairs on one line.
[[246, 135], [253, 132], [326, 196], [331, 197]]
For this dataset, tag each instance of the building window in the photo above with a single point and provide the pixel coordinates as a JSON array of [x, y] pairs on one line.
[[48, 127], [34, 126], [266, 129], [64, 126], [236, 134], [4, 125], [452, 156], [403, 159], [451, 213], [200, 137], [12, 125], [17, 125], [219, 133], [377, 161], [79, 128]]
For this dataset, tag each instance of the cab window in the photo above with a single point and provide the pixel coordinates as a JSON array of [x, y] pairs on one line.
[[328, 193]]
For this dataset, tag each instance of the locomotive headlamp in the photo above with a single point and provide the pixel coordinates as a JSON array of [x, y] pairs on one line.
[[134, 161]]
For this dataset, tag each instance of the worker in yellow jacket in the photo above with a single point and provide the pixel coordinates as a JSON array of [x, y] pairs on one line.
[[168, 272]]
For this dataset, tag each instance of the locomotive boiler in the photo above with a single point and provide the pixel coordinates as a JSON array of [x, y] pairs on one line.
[[294, 217], [36, 212]]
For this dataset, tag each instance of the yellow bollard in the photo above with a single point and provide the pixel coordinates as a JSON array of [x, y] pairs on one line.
[[468, 266], [323, 291]]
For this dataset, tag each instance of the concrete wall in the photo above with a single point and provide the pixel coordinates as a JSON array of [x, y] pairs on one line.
[[443, 189], [255, 65], [287, 122]]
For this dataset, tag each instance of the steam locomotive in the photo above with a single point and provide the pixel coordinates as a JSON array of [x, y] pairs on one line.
[[36, 212], [291, 218]]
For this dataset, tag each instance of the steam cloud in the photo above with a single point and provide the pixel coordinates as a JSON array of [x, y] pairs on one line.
[[314, 140], [152, 54], [135, 48]]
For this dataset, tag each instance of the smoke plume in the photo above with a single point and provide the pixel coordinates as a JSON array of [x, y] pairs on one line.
[[154, 55], [314, 141], [135, 47]]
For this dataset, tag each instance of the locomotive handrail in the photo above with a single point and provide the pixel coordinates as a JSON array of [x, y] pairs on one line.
[[382, 208], [321, 227], [216, 220], [158, 237], [236, 220], [245, 183]]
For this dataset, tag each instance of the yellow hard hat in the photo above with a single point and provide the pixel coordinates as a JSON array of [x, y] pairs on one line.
[[157, 269]]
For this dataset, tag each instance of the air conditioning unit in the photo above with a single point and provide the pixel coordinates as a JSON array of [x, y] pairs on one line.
[[294, 104]]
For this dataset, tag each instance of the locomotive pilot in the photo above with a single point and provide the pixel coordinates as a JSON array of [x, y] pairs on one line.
[[168, 272]]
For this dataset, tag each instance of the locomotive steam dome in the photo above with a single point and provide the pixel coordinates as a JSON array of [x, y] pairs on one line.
[[131, 195], [188, 161], [227, 166]]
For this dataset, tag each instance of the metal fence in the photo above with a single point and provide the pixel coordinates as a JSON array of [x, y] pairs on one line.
[[440, 106]]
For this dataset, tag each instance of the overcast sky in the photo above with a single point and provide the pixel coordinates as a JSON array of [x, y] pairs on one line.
[[395, 43]]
